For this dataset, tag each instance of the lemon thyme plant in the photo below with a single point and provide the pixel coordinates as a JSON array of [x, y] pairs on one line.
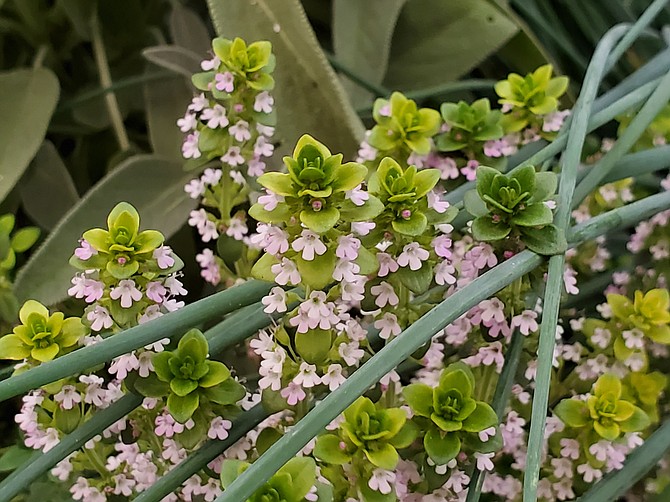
[[387, 367]]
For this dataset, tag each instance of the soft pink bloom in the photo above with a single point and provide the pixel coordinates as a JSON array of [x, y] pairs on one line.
[[99, 318], [293, 393], [85, 250], [385, 294], [224, 82], [126, 292], [218, 428], [412, 255], [163, 256], [310, 245], [264, 102], [215, 117]]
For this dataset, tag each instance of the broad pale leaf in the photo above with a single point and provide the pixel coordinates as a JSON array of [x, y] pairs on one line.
[[436, 41], [27, 100], [308, 95]]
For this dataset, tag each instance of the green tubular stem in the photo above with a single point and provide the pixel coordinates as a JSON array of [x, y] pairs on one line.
[[499, 403], [638, 463], [553, 289], [40, 462], [408, 341], [620, 218], [636, 128], [201, 457], [168, 325]]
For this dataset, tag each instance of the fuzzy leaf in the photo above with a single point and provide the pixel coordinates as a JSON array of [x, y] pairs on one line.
[[572, 412]]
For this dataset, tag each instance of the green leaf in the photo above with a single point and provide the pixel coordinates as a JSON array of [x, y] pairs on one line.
[[174, 58], [182, 387], [534, 215], [414, 225], [307, 88], [157, 191], [47, 190], [165, 101], [417, 281], [637, 422], [262, 269], [572, 412], [230, 470], [548, 240], [151, 386], [482, 418], [279, 183], [485, 177], [317, 273], [434, 43], [314, 345], [218, 372], [545, 186], [27, 100], [382, 455], [526, 178], [230, 391], [473, 204], [320, 221], [420, 398], [14, 456], [441, 449], [484, 229], [328, 450], [362, 34], [183, 407], [303, 474], [67, 420], [372, 208], [370, 495], [367, 261], [24, 238], [188, 29]]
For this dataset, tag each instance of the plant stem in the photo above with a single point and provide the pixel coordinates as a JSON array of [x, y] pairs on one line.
[[106, 82]]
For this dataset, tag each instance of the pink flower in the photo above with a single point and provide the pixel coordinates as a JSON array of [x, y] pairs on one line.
[[436, 203], [444, 273], [526, 322], [357, 196], [156, 291], [218, 428], [99, 318], [215, 117], [275, 301], [333, 377], [264, 102], [167, 426], [413, 255], [163, 256], [198, 103], [126, 292], [310, 244], [233, 157], [224, 82], [85, 250], [492, 311], [188, 122], [570, 281], [240, 131], [350, 353], [484, 462], [123, 365], [442, 246], [270, 200], [263, 147], [210, 64], [286, 272], [189, 148], [387, 264], [307, 376], [293, 393], [346, 271], [347, 247], [382, 481], [68, 397], [388, 326], [385, 294]]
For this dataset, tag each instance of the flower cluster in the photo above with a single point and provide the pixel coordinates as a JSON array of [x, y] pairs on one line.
[[228, 127]]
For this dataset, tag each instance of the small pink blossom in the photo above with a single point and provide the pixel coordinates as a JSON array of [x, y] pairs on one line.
[[85, 250], [218, 428], [127, 292], [293, 393], [264, 102], [413, 255], [224, 82], [310, 245]]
